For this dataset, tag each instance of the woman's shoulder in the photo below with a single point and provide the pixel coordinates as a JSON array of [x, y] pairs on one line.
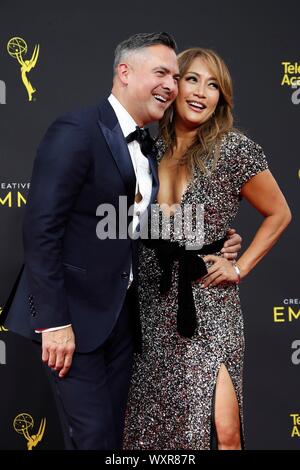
[[242, 157], [237, 141]]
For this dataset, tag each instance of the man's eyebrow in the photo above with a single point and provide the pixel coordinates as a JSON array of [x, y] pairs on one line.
[[166, 70]]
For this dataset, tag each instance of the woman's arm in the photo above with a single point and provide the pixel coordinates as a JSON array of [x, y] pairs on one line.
[[264, 194]]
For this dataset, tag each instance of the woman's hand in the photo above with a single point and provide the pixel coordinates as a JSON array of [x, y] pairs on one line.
[[222, 271]]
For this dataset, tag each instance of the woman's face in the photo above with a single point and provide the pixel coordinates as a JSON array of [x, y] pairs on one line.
[[198, 95]]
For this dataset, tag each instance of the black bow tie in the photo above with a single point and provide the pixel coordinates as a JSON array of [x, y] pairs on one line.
[[143, 137]]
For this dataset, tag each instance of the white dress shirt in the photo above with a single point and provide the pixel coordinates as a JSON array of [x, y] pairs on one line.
[[142, 172], [139, 161]]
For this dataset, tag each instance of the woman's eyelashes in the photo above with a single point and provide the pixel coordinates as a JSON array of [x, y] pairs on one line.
[[195, 80], [191, 79]]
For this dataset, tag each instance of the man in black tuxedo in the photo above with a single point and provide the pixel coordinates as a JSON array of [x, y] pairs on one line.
[[77, 289]]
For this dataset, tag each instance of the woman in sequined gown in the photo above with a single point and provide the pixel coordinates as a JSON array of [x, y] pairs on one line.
[[186, 390]]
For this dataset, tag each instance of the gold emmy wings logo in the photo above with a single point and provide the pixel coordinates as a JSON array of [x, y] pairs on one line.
[[17, 48], [23, 424]]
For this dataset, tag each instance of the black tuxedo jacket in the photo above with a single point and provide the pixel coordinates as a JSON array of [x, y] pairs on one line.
[[69, 274]]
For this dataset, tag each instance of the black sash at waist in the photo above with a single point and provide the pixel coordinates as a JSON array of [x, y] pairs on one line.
[[191, 268]]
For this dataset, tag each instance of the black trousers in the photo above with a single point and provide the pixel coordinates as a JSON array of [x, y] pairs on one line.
[[91, 398]]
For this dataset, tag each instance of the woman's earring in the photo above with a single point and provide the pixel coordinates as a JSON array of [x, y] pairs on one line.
[[171, 115]]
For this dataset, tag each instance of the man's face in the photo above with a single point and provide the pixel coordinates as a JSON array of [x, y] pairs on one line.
[[152, 83]]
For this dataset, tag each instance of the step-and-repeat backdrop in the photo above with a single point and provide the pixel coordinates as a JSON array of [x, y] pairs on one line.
[[65, 61]]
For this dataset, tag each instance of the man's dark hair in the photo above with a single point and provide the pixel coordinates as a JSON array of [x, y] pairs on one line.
[[140, 41]]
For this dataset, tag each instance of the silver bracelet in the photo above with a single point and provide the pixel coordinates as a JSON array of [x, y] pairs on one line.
[[237, 270]]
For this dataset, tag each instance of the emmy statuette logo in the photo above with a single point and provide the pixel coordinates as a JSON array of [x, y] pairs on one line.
[[17, 48], [23, 424]]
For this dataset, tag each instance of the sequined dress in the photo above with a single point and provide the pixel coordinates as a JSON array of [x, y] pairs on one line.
[[171, 399]]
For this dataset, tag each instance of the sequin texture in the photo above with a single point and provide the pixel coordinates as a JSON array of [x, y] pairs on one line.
[[171, 396]]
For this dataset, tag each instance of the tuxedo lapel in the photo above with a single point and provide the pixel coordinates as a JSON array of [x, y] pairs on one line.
[[152, 158], [114, 137]]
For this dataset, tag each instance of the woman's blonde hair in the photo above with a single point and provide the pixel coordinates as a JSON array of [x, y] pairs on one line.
[[209, 133]]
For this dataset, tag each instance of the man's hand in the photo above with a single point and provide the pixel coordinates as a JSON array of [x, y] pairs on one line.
[[58, 348], [233, 245]]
